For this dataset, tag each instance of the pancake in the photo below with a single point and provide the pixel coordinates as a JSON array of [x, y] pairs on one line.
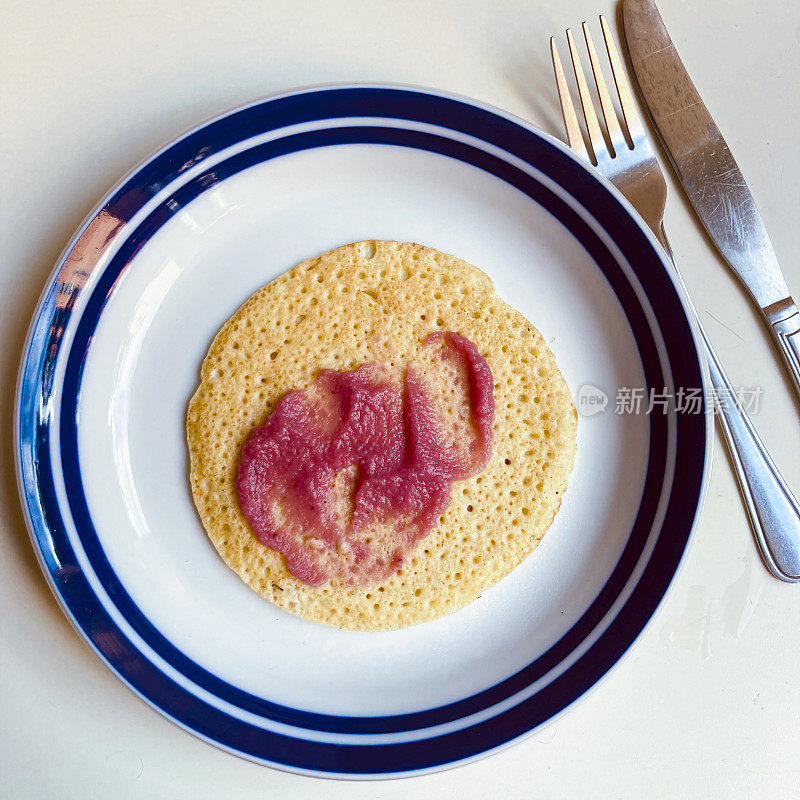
[[376, 302]]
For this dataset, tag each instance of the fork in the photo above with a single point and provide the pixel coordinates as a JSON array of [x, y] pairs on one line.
[[630, 164]]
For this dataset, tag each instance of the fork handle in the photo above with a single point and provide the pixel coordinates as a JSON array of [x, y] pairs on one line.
[[784, 320], [772, 508]]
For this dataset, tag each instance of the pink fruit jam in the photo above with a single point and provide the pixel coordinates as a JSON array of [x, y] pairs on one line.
[[347, 476]]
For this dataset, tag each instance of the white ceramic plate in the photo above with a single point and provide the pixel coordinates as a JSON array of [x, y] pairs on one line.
[[113, 356]]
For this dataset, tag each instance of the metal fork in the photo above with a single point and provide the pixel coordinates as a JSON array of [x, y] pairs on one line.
[[630, 164]]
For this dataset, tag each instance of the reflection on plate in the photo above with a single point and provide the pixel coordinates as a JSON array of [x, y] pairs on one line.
[[112, 358]]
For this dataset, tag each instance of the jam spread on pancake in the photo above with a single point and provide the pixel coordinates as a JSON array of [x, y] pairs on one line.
[[347, 476]]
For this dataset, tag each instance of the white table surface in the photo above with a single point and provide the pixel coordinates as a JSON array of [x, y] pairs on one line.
[[707, 704]]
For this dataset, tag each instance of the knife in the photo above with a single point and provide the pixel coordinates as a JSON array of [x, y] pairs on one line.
[[709, 175]]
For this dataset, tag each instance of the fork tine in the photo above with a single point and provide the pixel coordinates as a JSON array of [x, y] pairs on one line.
[[571, 123], [609, 112], [592, 125], [626, 99]]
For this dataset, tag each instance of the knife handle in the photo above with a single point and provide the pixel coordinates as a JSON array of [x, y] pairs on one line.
[[772, 508], [784, 319]]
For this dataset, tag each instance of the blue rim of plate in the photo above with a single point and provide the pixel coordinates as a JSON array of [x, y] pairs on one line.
[[302, 740]]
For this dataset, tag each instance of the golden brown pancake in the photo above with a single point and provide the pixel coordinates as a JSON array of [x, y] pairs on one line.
[[375, 302]]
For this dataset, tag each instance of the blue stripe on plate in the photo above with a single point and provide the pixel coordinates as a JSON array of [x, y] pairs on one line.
[[175, 701]]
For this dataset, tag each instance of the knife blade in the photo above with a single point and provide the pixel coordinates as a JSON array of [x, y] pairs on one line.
[[709, 174]]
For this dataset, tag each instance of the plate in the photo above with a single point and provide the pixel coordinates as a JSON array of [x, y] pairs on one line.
[[113, 356]]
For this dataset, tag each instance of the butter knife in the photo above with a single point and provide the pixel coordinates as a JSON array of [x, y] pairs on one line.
[[709, 175]]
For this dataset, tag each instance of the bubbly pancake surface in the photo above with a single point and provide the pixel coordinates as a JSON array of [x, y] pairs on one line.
[[376, 302]]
